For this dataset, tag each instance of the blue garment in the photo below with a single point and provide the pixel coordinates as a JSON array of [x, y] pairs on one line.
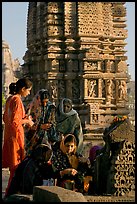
[[44, 136]]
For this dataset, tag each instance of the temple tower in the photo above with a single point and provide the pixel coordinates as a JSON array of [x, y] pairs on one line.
[[77, 50], [9, 68]]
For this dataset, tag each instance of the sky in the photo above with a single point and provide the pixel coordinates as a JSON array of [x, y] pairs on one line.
[[14, 31]]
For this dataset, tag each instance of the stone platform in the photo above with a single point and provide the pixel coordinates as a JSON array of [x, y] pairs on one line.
[[88, 198]]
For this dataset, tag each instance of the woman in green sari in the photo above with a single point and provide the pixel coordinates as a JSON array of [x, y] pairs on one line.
[[68, 122]]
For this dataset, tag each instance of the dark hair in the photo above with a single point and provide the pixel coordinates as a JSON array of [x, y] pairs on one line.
[[70, 138], [42, 152], [12, 88], [23, 82], [44, 95]]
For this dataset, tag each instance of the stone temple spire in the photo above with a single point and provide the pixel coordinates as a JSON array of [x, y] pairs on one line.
[[9, 67], [77, 50]]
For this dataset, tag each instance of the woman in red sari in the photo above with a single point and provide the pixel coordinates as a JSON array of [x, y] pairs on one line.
[[14, 117]]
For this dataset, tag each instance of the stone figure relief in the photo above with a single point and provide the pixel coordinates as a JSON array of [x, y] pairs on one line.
[[109, 90], [122, 66], [103, 89], [110, 67], [91, 65], [91, 88], [95, 118], [122, 90], [54, 90]]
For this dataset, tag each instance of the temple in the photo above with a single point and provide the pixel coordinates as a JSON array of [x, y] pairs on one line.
[[77, 50]]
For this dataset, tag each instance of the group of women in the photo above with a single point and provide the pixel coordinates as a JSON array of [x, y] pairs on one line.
[[44, 142]]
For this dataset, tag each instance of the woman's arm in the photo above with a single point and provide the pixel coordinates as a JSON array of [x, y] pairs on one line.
[[69, 171]]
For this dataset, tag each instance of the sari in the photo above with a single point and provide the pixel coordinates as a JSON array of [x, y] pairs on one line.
[[61, 161], [69, 123]]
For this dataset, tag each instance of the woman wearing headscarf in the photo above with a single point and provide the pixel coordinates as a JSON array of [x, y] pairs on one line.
[[32, 171], [34, 107], [44, 129], [71, 166], [68, 121]]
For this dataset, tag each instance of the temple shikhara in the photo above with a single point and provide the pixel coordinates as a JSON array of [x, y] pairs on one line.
[[77, 50]]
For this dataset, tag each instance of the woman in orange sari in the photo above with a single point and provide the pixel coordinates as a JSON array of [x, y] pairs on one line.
[[14, 117]]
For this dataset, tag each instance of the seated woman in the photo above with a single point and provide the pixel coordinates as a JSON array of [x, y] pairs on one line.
[[32, 171], [72, 168], [68, 122]]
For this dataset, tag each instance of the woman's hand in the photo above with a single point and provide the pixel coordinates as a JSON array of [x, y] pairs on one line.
[[30, 122], [34, 127], [27, 121], [69, 171], [46, 126], [83, 159]]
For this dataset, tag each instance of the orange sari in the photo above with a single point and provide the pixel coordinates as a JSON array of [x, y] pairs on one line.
[[13, 147]]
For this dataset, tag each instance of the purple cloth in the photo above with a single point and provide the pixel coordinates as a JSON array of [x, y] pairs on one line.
[[92, 152]]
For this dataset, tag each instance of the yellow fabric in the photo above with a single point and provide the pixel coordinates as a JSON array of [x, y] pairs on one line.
[[73, 159]]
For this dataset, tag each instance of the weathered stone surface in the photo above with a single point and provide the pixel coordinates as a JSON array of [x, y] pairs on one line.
[[19, 198], [56, 194], [110, 199]]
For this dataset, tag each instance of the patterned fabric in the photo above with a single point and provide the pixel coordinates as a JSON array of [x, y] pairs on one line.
[[34, 107], [46, 115], [13, 147], [61, 161], [69, 123]]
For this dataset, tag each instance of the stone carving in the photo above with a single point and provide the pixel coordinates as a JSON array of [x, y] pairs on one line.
[[81, 46], [95, 118], [122, 66], [75, 89], [109, 90], [54, 7], [122, 90], [91, 88], [70, 18], [54, 90], [91, 65], [92, 52], [114, 166]]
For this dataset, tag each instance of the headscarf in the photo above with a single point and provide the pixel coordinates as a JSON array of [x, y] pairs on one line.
[[35, 103], [73, 159], [42, 152], [62, 143], [61, 114], [69, 123], [92, 152]]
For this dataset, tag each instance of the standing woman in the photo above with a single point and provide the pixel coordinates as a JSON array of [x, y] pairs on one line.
[[14, 118], [44, 127]]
